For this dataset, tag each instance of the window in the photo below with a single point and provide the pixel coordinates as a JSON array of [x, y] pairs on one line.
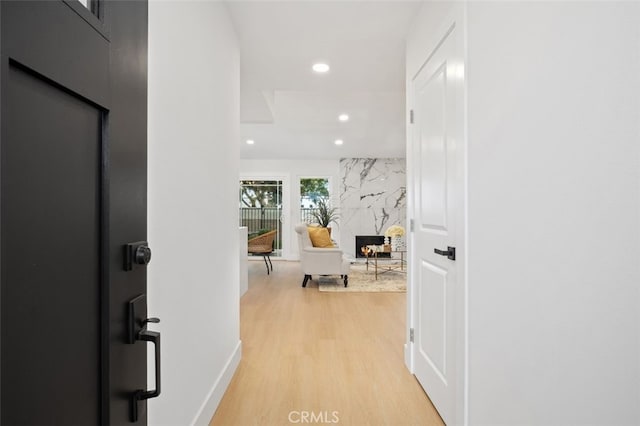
[[312, 189], [92, 5]]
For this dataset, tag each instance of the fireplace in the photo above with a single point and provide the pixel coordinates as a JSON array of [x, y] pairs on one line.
[[367, 240]]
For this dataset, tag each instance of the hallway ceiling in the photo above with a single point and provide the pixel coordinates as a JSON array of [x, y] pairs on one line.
[[292, 112]]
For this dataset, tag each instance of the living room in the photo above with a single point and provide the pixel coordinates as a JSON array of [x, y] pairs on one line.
[[369, 195]]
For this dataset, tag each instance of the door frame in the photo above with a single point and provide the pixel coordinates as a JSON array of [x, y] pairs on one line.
[[456, 19]]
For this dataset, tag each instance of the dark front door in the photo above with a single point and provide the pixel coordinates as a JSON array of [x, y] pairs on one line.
[[73, 117]]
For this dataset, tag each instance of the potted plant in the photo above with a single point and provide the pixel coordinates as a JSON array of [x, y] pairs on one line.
[[325, 214]]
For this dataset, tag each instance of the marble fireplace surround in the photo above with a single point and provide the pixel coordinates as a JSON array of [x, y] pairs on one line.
[[372, 197]]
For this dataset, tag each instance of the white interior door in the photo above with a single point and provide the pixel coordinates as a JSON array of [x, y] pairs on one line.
[[437, 135]]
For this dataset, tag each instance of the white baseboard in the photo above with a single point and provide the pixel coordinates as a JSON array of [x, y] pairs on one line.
[[210, 404]]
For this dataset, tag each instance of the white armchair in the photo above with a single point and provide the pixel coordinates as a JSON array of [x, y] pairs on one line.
[[320, 261]]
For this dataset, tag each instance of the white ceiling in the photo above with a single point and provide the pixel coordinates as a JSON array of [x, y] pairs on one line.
[[292, 112]]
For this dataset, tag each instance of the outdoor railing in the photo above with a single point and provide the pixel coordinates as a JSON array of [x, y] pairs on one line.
[[268, 218], [306, 215], [257, 218]]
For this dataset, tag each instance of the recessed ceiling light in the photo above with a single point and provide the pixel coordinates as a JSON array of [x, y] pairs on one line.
[[320, 67], [338, 142], [343, 117], [250, 142]]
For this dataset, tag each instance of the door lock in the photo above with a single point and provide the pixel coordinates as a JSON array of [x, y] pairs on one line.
[[142, 255], [137, 253]]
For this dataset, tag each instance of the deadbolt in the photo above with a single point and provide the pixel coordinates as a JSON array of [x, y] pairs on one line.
[[137, 253], [142, 255]]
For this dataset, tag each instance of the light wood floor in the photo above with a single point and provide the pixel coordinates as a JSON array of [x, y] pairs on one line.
[[306, 351]]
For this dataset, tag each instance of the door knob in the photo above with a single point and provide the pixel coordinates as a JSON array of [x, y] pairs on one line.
[[137, 253], [450, 252], [142, 255]]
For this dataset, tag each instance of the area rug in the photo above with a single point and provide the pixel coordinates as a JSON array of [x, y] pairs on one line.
[[363, 281]]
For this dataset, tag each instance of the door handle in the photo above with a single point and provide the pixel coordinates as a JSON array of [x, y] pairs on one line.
[[153, 337], [140, 395], [450, 252]]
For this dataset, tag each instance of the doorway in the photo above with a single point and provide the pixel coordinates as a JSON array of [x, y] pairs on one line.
[[261, 209]]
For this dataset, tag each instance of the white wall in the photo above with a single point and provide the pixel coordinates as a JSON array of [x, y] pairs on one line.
[[553, 209], [554, 212], [291, 171], [193, 199]]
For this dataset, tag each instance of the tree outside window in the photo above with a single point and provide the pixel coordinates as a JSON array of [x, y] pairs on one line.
[[312, 190], [257, 193]]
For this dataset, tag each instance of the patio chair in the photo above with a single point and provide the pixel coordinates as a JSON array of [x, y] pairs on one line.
[[262, 245]]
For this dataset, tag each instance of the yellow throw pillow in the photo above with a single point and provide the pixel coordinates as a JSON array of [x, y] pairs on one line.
[[320, 237]]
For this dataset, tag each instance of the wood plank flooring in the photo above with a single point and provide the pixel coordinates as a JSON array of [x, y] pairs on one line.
[[338, 357]]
